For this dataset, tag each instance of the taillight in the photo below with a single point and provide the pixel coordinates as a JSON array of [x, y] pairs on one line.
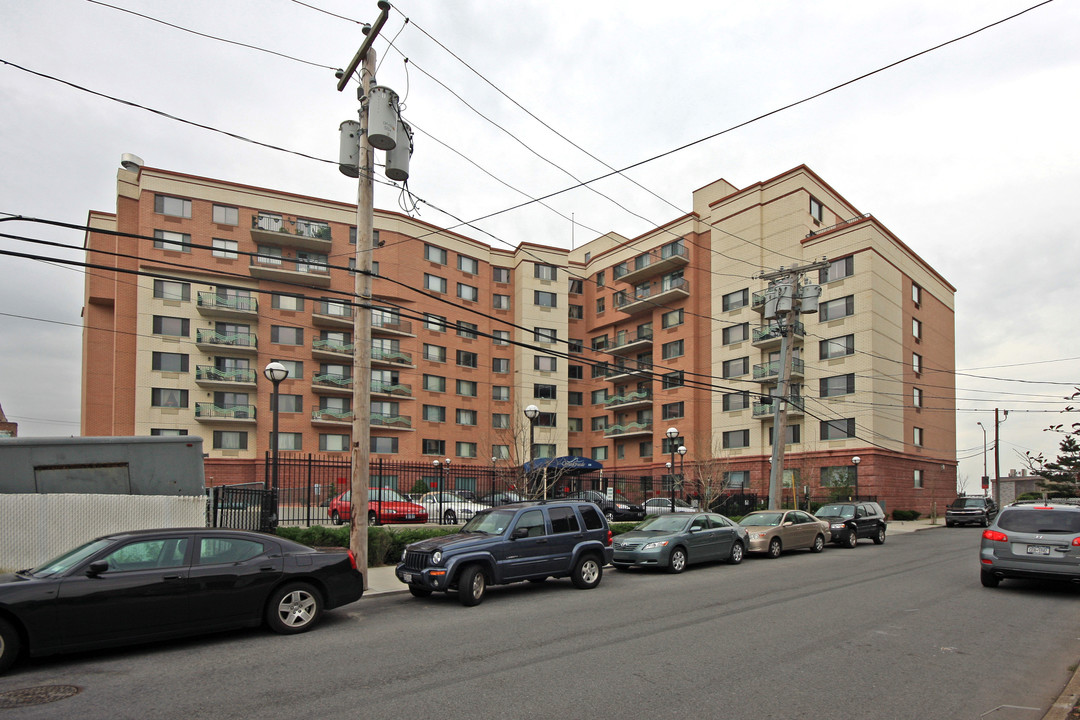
[[352, 560], [1076, 542], [995, 536], [611, 535]]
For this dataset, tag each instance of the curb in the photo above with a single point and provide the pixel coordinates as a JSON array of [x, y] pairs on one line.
[[1067, 702]]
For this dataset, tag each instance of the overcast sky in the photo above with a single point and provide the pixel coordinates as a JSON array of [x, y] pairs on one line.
[[970, 153]]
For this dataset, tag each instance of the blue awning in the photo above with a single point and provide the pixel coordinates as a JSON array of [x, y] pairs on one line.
[[567, 464]]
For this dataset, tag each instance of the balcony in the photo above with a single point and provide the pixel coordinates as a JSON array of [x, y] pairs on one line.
[[394, 358], [394, 390], [757, 301], [210, 376], [267, 229], [332, 384], [332, 350], [765, 411], [305, 272], [332, 315], [620, 372], [634, 429], [653, 295], [382, 325], [768, 336], [391, 422], [211, 341], [656, 262], [770, 371], [209, 412], [640, 398], [210, 304], [627, 342], [327, 416]]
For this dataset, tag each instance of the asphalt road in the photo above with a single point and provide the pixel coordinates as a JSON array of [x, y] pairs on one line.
[[902, 630]]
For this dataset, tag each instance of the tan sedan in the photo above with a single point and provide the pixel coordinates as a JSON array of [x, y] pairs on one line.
[[774, 531]]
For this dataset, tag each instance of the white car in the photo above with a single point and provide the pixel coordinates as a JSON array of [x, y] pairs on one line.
[[662, 506], [451, 507]]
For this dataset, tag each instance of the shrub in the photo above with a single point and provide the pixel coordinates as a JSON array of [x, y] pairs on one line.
[[384, 543], [906, 514]]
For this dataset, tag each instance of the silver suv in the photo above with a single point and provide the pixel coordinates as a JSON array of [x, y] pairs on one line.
[[1032, 540]]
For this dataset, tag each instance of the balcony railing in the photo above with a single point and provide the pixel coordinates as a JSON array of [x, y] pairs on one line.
[[274, 229], [771, 369], [628, 342], [764, 410], [634, 428], [391, 421], [770, 334], [210, 411], [328, 415], [211, 337], [275, 267], [652, 295], [333, 380], [209, 373], [209, 300], [622, 370], [639, 396], [391, 356], [757, 301], [398, 389], [659, 260], [333, 346], [390, 325]]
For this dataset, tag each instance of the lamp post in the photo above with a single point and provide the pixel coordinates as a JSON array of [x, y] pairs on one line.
[[682, 459], [986, 477], [855, 461], [275, 372], [672, 433], [531, 412], [442, 467]]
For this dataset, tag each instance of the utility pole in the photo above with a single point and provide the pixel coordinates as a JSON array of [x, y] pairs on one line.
[[784, 300], [997, 457]]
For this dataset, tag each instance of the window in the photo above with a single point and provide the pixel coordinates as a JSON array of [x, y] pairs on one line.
[[736, 439], [168, 398], [838, 308], [916, 397], [671, 411], [916, 328], [434, 283], [434, 353], [837, 385], [467, 359], [295, 368], [575, 372], [918, 478], [736, 300], [434, 254], [225, 215], [290, 441], [837, 347], [468, 292], [176, 207], [544, 392], [434, 413], [545, 363], [599, 422], [500, 452], [667, 445], [545, 299], [500, 302], [563, 520], [672, 380], [837, 429], [817, 211], [546, 419], [465, 417], [500, 421], [599, 454], [174, 241], [736, 333], [500, 337], [500, 365], [225, 248], [230, 440], [545, 335], [672, 349], [574, 424], [500, 392], [287, 302], [917, 436], [383, 445], [574, 397], [336, 443], [465, 449], [624, 267], [599, 370], [268, 255], [600, 306], [468, 265], [736, 367], [737, 478], [435, 323], [168, 290], [837, 270], [466, 388], [645, 449], [576, 312], [285, 335], [434, 383], [466, 330], [170, 362], [545, 272], [736, 401], [575, 345], [672, 318], [167, 432], [600, 279], [600, 342], [916, 294], [792, 435], [598, 397], [500, 275], [916, 363], [172, 326], [575, 287]]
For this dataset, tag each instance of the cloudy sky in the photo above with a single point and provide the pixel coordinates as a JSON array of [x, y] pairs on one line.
[[969, 153]]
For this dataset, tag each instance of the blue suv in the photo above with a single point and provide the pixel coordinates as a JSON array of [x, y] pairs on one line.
[[511, 543]]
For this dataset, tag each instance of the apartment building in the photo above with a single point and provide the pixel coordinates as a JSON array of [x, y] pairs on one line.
[[614, 342]]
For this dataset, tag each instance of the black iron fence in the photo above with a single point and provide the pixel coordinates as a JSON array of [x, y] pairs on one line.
[[242, 507]]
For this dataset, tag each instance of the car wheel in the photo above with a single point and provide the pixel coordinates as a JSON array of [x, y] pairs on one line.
[[372, 519], [819, 544], [450, 518], [9, 644], [677, 563], [335, 517], [610, 515], [988, 579], [852, 538], [985, 521], [587, 573], [879, 539], [737, 553], [293, 608], [471, 586], [775, 548]]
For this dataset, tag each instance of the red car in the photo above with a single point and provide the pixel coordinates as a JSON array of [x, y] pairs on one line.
[[384, 506]]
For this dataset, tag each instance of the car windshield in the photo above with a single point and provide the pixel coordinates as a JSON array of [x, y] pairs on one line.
[[844, 511], [444, 497], [493, 522], [762, 519], [1035, 520], [70, 559], [384, 495], [666, 502], [664, 523], [968, 503]]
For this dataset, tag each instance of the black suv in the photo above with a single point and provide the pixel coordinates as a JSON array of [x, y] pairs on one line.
[[966, 510], [617, 509], [511, 543], [849, 521]]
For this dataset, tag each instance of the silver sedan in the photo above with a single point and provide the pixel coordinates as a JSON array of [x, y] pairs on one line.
[[774, 531]]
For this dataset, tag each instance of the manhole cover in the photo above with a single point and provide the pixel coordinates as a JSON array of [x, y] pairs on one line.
[[35, 696]]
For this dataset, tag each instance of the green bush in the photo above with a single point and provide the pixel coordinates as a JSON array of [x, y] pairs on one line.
[[384, 543], [905, 514]]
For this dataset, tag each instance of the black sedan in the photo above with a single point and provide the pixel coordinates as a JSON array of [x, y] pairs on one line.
[[150, 585]]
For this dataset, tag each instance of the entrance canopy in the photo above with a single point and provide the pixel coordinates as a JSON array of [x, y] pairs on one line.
[[567, 465]]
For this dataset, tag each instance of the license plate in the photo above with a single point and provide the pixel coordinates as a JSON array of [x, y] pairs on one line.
[[407, 577], [1038, 549], [410, 517]]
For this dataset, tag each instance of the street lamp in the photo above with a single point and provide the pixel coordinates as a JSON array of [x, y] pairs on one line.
[[672, 433], [682, 476], [855, 461], [985, 484], [275, 372], [531, 412], [441, 466]]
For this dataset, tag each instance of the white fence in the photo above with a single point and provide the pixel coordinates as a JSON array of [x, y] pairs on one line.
[[36, 528]]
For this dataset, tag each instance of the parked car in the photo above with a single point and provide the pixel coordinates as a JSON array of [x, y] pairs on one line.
[[384, 506], [511, 543], [674, 540], [1031, 540], [971, 510], [451, 507], [774, 531], [149, 585], [659, 506], [617, 509], [849, 521], [504, 497]]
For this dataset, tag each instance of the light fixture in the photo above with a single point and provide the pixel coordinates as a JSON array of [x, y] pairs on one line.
[[672, 433], [532, 412], [275, 372], [682, 450]]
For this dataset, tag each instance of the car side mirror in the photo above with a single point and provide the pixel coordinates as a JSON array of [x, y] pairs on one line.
[[789, 523], [96, 569], [519, 533]]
